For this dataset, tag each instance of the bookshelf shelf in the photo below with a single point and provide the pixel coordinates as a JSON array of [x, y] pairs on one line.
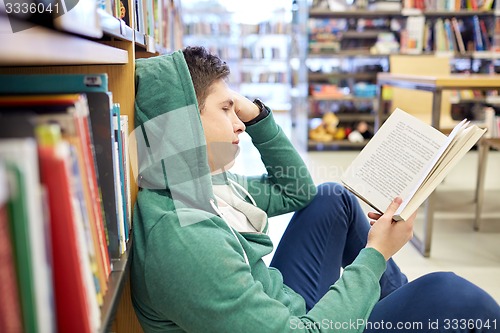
[[342, 98], [336, 144], [324, 13], [116, 283], [41, 46], [486, 55], [326, 76], [368, 117], [114, 27], [447, 13], [347, 54]]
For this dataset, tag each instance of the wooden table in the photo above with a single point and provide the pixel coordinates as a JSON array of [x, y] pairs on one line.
[[436, 85]]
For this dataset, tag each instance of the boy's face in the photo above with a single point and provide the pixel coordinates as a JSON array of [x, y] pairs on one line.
[[221, 126]]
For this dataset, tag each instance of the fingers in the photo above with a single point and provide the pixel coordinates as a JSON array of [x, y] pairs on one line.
[[413, 216], [393, 206], [374, 216]]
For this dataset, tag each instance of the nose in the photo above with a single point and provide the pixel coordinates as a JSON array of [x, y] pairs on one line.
[[238, 126]]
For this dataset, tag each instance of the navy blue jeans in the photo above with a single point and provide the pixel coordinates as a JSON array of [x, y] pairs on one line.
[[329, 233]]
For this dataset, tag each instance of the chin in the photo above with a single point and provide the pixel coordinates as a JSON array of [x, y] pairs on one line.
[[222, 156]]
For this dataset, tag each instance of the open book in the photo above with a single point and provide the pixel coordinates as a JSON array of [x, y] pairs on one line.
[[407, 158]]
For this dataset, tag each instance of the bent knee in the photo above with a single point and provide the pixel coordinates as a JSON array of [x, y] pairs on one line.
[[460, 294], [330, 189]]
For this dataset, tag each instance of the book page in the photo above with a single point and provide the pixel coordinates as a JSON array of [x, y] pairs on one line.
[[461, 144], [394, 160], [436, 161]]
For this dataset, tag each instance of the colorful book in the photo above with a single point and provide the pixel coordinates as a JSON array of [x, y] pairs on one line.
[[484, 34], [120, 174], [458, 35], [126, 166], [478, 40], [75, 293], [10, 309], [449, 35], [31, 248]]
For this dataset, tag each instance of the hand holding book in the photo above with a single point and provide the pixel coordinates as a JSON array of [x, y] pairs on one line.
[[387, 237], [407, 158]]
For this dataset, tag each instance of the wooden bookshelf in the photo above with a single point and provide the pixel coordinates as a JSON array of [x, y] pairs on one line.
[[335, 145], [340, 39], [40, 46], [44, 50]]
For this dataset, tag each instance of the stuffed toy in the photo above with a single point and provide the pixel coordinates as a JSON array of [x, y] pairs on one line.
[[327, 129]]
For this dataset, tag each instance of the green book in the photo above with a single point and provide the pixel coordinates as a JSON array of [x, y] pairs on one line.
[[19, 226], [53, 83]]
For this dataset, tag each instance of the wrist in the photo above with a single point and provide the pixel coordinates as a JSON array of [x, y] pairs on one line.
[[386, 257], [261, 112]]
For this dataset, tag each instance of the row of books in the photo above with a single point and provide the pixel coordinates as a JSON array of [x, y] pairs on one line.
[[446, 35], [264, 52], [256, 51], [116, 8], [266, 77], [448, 5], [64, 200], [223, 28], [161, 20]]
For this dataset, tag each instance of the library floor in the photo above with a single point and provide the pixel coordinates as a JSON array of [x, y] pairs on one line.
[[455, 245]]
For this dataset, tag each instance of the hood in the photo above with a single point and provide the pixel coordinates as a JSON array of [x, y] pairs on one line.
[[171, 148]]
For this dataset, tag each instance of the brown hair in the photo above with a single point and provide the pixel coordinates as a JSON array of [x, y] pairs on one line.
[[205, 69]]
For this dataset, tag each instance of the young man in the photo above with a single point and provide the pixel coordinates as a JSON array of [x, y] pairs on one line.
[[200, 231]]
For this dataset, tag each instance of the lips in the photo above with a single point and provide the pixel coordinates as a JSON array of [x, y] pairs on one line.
[[236, 142]]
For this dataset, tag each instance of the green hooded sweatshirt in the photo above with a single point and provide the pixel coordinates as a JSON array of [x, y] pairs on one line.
[[190, 272]]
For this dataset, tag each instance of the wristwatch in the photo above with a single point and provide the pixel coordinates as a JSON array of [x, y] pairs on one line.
[[264, 112]]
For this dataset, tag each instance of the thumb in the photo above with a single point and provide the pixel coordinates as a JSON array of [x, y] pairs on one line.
[[393, 206]]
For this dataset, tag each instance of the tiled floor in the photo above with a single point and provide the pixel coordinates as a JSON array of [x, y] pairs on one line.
[[455, 245]]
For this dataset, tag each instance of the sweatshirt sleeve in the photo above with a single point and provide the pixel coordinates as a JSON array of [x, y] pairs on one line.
[[206, 288], [287, 186]]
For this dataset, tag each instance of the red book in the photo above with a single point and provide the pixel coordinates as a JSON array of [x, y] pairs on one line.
[[10, 310], [70, 286]]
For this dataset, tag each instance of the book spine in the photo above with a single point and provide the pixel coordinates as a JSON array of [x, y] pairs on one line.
[[10, 310], [84, 132], [47, 83], [29, 233], [96, 262], [458, 35], [478, 40], [70, 265], [126, 166], [121, 169]]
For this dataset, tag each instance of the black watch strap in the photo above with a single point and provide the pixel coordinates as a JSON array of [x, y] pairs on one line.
[[264, 112]]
